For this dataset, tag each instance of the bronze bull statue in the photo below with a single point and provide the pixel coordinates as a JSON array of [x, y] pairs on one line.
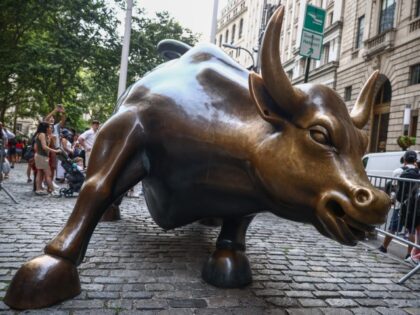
[[209, 139]]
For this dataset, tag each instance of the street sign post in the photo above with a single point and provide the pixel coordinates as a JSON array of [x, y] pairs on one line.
[[312, 35]]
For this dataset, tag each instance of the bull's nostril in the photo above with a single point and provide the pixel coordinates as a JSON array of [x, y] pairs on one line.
[[362, 196]]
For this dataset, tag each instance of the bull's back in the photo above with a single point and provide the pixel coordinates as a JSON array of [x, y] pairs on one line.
[[193, 111]]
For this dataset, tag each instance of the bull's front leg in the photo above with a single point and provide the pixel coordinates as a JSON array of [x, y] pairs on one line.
[[228, 266], [117, 163]]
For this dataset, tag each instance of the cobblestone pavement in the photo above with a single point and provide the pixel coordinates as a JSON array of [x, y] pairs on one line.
[[134, 267]]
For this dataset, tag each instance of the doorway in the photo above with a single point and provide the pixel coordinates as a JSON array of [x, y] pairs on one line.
[[380, 121]]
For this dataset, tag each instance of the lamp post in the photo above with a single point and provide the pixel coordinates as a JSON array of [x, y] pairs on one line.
[[251, 67], [126, 46]]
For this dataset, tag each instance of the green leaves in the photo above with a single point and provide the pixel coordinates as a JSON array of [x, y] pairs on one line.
[[69, 52]]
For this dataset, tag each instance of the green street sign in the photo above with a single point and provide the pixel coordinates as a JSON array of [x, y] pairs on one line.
[[312, 32], [314, 19]]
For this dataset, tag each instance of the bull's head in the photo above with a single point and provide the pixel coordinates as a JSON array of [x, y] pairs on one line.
[[312, 156]]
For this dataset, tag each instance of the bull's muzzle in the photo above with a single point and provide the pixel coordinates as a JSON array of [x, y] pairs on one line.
[[347, 217]]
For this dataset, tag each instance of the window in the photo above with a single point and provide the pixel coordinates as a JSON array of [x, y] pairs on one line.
[[347, 93], [418, 8], [415, 74], [412, 132], [241, 26], [233, 33], [220, 40], [290, 74], [360, 29], [330, 19], [326, 53], [386, 19], [227, 36]]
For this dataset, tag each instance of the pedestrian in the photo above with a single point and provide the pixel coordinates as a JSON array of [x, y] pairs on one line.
[[398, 220], [19, 150], [42, 159], [66, 147], [4, 171], [87, 139], [58, 110], [11, 151]]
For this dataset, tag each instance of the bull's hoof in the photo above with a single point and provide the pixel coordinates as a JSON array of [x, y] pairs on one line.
[[112, 214], [41, 282], [227, 268]]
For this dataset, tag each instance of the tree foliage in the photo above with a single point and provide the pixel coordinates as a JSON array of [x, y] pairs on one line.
[[69, 52]]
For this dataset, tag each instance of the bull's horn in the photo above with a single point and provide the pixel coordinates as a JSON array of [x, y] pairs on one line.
[[275, 80], [361, 110]]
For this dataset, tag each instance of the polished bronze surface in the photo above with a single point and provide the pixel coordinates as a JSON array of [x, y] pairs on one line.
[[208, 139]]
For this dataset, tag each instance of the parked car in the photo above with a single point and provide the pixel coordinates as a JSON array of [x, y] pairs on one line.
[[383, 163]]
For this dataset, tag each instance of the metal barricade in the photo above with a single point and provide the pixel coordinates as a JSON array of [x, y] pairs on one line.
[[401, 220]]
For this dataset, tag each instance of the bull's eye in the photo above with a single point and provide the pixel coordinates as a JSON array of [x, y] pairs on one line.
[[320, 135]]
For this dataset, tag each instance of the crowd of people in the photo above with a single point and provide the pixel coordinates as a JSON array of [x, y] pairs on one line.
[[406, 213], [53, 144]]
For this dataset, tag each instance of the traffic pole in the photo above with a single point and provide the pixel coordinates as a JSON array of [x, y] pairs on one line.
[[126, 46], [308, 65]]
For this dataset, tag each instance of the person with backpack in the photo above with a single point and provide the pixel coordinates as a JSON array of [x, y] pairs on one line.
[[399, 215]]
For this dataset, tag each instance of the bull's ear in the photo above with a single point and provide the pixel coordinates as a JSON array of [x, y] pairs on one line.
[[263, 100]]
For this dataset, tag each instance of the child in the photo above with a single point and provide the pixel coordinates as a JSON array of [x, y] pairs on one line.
[[79, 163]]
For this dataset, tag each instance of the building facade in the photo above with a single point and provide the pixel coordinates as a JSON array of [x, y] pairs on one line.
[[359, 37], [383, 35], [241, 24]]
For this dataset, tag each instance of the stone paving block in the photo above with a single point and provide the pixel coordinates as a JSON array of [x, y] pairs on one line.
[[188, 303], [299, 294], [150, 304], [303, 311], [336, 311], [364, 311], [341, 302], [391, 311], [283, 302], [312, 303]]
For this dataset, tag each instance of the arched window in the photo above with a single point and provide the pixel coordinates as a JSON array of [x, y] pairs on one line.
[[241, 26], [227, 36], [233, 33], [220, 40]]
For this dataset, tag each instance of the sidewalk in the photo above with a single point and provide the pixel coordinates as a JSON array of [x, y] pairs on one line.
[[134, 267]]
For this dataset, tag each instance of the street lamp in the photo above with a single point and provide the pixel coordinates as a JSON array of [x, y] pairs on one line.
[[251, 67]]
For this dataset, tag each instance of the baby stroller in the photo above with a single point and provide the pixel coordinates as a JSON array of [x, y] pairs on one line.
[[74, 176]]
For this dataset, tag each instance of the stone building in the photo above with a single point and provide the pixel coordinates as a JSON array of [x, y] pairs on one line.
[[251, 17], [241, 24], [383, 35], [359, 37]]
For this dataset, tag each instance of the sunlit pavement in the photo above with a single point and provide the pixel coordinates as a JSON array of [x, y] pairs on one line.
[[134, 267]]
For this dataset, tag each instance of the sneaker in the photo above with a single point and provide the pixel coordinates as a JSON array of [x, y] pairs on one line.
[[382, 249], [55, 193], [41, 193], [55, 186]]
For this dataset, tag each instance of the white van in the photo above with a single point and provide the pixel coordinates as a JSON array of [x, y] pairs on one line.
[[383, 163]]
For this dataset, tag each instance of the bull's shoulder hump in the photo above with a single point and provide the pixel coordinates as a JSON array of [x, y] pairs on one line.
[[200, 71]]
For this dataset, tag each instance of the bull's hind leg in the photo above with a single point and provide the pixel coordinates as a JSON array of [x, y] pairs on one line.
[[117, 163], [228, 266]]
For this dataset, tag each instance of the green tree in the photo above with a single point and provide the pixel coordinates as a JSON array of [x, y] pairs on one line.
[[69, 52]]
